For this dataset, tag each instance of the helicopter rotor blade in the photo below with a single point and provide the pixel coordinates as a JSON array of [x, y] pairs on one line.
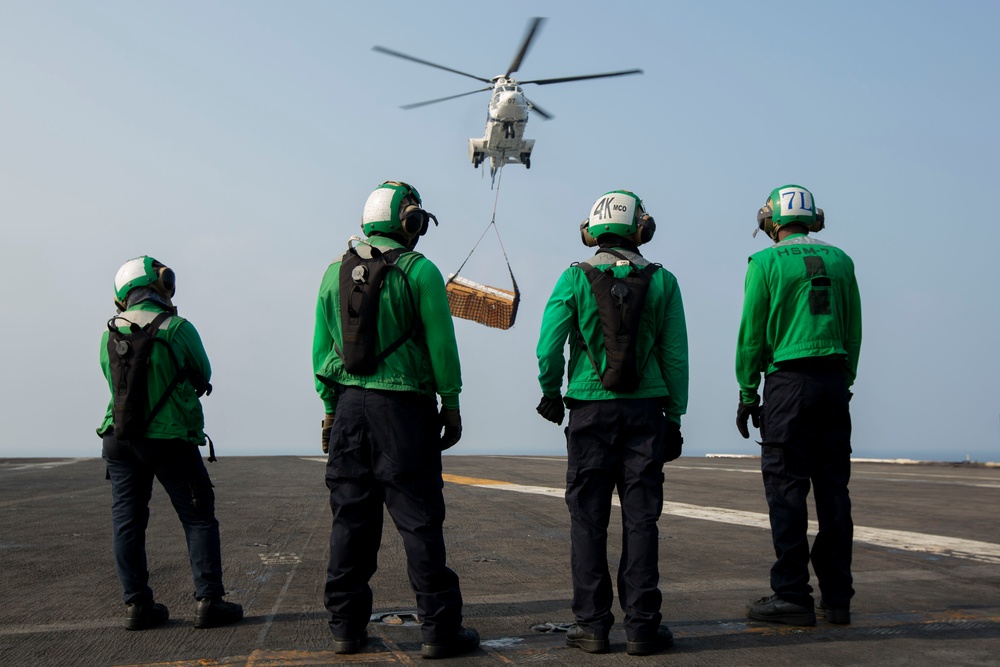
[[390, 52], [542, 82], [443, 99], [539, 110], [528, 37]]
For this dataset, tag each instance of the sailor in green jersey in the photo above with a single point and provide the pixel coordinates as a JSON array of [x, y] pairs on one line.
[[627, 389], [801, 328], [167, 429], [384, 349]]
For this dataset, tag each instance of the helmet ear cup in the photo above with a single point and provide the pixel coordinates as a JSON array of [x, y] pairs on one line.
[[414, 220], [167, 280], [765, 222], [646, 227], [820, 221], [586, 237]]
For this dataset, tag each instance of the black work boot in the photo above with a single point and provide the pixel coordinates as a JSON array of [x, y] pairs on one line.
[[663, 639], [142, 615], [775, 610], [839, 615], [345, 645], [466, 640], [212, 612], [588, 642]]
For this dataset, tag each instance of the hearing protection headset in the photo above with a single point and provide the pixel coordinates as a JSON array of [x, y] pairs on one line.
[[166, 280], [413, 219]]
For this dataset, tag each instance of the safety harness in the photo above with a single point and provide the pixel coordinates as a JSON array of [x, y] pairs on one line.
[[620, 302]]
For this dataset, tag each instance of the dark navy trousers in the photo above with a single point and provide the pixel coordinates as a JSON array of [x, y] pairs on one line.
[[615, 446], [385, 450], [177, 464], [806, 442]]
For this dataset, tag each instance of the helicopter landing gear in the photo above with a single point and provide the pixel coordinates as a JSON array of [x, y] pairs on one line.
[[526, 160], [477, 159]]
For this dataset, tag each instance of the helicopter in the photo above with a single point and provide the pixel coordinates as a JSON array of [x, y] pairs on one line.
[[503, 141]]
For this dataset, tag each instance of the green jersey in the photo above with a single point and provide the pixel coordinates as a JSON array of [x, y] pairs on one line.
[[181, 417], [426, 363], [661, 347], [801, 300]]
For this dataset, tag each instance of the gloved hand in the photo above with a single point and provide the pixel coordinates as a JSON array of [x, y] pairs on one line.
[[325, 433], [674, 441], [747, 410], [552, 409], [451, 421]]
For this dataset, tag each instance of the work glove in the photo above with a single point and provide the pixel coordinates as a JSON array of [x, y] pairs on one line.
[[552, 409], [747, 410], [325, 433], [451, 422], [674, 441]]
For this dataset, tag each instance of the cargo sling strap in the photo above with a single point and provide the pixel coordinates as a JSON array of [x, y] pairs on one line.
[[620, 302], [484, 318], [361, 283], [481, 317]]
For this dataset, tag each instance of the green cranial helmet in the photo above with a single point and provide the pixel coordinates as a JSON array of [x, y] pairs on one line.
[[388, 209], [142, 272], [786, 205]]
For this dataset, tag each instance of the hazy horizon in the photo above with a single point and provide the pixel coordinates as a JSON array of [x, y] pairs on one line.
[[238, 142]]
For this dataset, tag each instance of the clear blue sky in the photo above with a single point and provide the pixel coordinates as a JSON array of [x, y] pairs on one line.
[[238, 141]]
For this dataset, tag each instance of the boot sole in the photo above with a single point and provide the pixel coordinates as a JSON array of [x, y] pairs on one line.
[[590, 645], [145, 623], [347, 646], [212, 622], [837, 616], [647, 648], [437, 651]]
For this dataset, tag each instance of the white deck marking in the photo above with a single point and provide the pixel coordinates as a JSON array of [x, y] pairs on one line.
[[903, 540], [44, 465]]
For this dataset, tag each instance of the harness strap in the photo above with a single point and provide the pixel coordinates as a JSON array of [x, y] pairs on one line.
[[493, 224], [399, 342], [150, 330]]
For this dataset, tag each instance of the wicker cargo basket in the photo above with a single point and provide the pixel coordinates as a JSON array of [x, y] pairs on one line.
[[491, 306]]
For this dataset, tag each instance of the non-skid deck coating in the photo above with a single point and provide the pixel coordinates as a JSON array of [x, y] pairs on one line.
[[926, 563]]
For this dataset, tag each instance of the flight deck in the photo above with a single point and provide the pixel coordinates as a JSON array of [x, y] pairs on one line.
[[926, 567]]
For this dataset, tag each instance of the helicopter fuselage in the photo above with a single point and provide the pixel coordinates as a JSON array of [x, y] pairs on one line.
[[503, 141]]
